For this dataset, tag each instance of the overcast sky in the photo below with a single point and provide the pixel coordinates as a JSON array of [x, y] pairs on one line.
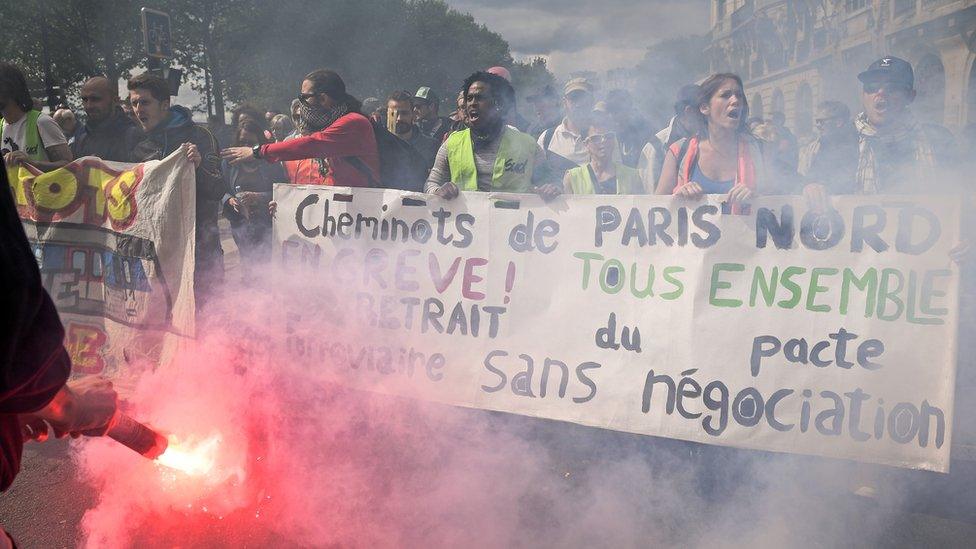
[[587, 34]]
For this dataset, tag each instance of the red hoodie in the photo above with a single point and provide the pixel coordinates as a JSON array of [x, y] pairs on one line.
[[349, 136]]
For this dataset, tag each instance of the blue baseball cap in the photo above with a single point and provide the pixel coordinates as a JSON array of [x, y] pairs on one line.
[[889, 69]]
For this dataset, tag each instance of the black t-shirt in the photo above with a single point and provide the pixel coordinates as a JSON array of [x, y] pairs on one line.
[[251, 181], [603, 187], [835, 163]]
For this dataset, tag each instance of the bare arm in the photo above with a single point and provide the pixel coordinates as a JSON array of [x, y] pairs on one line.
[[669, 175], [60, 155], [440, 172], [84, 406], [567, 185]]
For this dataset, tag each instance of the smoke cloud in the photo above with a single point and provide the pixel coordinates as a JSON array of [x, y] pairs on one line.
[[303, 461]]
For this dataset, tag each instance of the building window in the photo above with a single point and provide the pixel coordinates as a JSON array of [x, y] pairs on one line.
[[855, 5], [720, 9], [819, 39], [756, 105], [930, 83], [803, 111], [904, 7]]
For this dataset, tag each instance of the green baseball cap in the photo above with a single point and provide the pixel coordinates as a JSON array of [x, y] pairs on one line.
[[426, 94]]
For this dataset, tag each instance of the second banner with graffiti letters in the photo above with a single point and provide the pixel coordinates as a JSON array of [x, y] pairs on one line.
[[114, 243]]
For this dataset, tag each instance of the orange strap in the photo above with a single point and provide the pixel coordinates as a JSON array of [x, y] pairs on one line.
[[745, 170]]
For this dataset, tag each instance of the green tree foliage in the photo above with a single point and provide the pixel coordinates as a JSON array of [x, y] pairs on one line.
[[83, 38], [211, 41], [530, 77], [379, 46], [666, 67], [258, 51]]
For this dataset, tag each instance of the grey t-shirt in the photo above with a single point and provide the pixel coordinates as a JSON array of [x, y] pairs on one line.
[[484, 162]]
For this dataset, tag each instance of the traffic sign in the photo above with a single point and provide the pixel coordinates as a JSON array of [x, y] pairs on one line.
[[156, 36]]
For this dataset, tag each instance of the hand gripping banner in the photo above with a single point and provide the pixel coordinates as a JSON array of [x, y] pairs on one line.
[[114, 243]]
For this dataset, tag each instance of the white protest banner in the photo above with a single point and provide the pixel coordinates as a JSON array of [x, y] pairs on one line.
[[114, 243], [779, 329]]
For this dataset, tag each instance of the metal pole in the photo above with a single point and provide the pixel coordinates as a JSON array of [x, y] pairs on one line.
[[206, 82], [46, 57]]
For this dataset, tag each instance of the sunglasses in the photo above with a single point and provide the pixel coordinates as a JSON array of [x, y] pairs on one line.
[[304, 98], [875, 87], [600, 138]]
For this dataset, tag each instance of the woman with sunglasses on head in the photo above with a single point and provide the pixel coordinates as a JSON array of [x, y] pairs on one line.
[[724, 158], [602, 175]]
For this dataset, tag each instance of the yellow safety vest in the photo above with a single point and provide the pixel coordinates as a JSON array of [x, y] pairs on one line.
[[514, 162], [628, 180], [33, 146]]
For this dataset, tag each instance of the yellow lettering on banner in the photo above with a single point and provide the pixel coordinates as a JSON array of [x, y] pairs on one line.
[[98, 180], [58, 194], [121, 198], [84, 344], [54, 191], [18, 176]]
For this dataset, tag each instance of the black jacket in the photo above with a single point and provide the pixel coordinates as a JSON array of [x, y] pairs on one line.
[[425, 146], [166, 138], [835, 163], [270, 173], [113, 139], [33, 362], [435, 130]]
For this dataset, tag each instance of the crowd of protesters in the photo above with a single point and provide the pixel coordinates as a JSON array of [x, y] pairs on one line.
[[577, 144]]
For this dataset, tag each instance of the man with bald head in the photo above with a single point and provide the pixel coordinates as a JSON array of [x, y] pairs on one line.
[[108, 133]]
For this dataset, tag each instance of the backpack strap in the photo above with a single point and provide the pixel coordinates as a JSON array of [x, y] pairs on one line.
[[360, 165], [362, 168], [657, 146], [40, 138], [547, 139], [682, 150]]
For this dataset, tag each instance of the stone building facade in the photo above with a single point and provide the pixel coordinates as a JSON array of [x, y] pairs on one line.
[[792, 54]]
